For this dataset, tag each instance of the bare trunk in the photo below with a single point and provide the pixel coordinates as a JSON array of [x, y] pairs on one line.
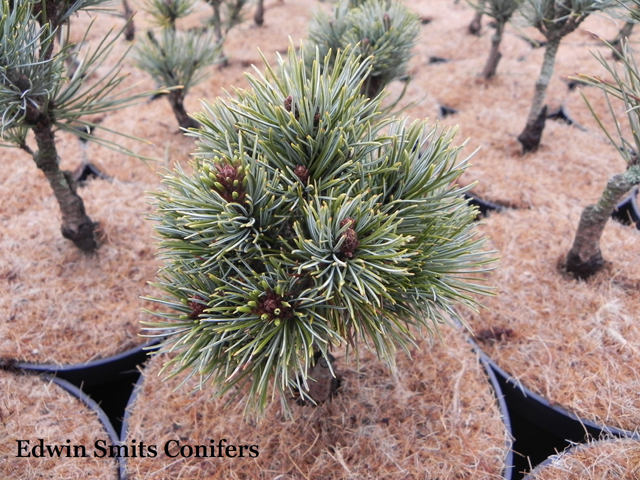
[[373, 85], [259, 15], [476, 24], [217, 19], [494, 56], [585, 258], [130, 29], [622, 38], [176, 99], [322, 384], [217, 26], [534, 118], [76, 224]]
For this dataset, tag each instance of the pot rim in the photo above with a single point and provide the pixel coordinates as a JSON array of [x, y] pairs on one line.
[[94, 372], [92, 405]]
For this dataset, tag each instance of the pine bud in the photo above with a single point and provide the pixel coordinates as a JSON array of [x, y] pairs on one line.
[[288, 106], [196, 307], [270, 307], [302, 173], [350, 242], [230, 182], [287, 103]]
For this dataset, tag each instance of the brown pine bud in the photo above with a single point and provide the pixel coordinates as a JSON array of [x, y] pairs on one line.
[[196, 307], [288, 106], [270, 307], [386, 21], [350, 236], [302, 173], [230, 183]]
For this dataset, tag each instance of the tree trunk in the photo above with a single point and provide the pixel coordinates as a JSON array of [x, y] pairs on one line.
[[494, 55], [76, 224], [217, 25], [476, 24], [217, 19], [176, 99], [623, 34], [130, 28], [373, 85], [585, 258], [259, 15], [533, 120], [322, 384]]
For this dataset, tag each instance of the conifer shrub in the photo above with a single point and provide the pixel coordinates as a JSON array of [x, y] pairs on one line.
[[309, 222], [386, 30], [178, 59], [165, 13]]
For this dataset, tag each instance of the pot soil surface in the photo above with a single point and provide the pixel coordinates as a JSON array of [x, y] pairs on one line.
[[33, 408], [435, 416], [576, 343], [603, 460]]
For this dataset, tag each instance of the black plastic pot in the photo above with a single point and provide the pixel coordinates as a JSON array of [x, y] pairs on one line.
[[97, 372], [484, 206], [546, 462], [127, 412], [627, 211], [540, 428], [92, 405], [506, 418], [552, 418]]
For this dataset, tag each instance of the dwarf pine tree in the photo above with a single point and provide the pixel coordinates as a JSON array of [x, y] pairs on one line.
[[501, 11], [309, 222], [43, 89], [383, 29], [555, 19], [585, 258], [226, 15], [178, 59]]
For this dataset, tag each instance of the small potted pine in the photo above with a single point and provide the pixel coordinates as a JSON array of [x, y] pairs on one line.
[[555, 19], [385, 30], [313, 239], [42, 92], [226, 15], [562, 328], [175, 58], [51, 92], [501, 12]]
